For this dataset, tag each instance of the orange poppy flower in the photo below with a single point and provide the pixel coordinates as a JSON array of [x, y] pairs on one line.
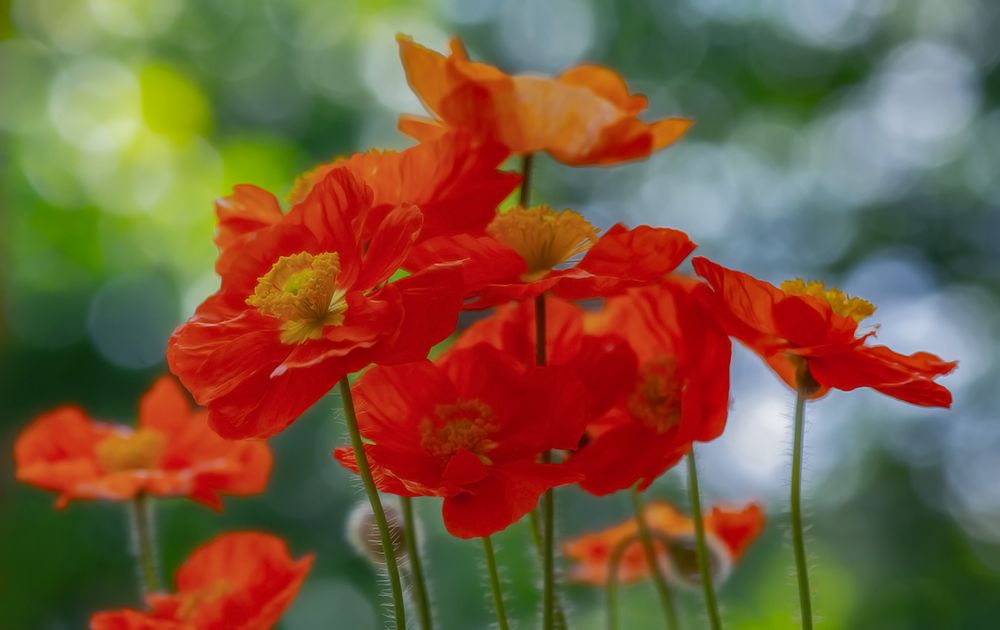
[[530, 251], [453, 179], [171, 453], [469, 429], [586, 116], [728, 533], [679, 394], [604, 363], [237, 581], [804, 330], [306, 300]]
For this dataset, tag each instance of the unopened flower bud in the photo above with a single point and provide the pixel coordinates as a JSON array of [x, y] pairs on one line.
[[363, 532], [681, 561]]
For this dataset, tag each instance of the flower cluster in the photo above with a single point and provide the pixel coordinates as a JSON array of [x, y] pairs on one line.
[[600, 365]]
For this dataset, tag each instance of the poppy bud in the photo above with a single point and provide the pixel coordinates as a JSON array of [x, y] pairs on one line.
[[364, 536], [681, 561]]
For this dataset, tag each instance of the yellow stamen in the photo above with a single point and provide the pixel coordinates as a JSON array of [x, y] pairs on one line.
[[656, 399], [842, 304], [302, 290], [543, 237], [138, 450], [467, 424]]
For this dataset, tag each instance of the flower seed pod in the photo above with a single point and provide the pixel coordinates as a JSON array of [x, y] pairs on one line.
[[681, 561]]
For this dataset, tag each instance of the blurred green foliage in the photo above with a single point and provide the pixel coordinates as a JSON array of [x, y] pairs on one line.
[[857, 141]]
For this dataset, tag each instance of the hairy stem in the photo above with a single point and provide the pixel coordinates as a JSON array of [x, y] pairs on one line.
[[144, 543], [527, 160], [711, 605], [491, 567], [416, 566], [798, 538], [662, 589], [392, 567]]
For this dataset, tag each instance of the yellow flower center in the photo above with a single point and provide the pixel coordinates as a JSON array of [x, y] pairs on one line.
[[543, 237], [842, 304], [467, 424], [138, 450], [302, 290], [656, 399]]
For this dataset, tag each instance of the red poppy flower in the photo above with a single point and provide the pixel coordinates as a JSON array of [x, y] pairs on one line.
[[305, 301], [171, 453], [728, 534], [605, 364], [528, 252], [237, 581], [804, 329], [586, 116], [680, 393], [469, 429]]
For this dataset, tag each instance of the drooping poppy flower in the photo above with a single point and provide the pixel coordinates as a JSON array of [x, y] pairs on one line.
[[604, 363], [586, 116], [531, 251], [808, 334], [237, 581], [170, 453], [728, 533], [470, 430], [305, 301], [680, 393]]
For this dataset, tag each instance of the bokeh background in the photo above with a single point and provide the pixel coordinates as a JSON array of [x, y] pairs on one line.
[[856, 141]]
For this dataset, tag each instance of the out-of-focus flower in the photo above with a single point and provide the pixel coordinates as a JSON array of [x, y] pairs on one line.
[[808, 335], [604, 363], [729, 532], [680, 393], [171, 453], [242, 580], [586, 116], [470, 430], [531, 251], [305, 300]]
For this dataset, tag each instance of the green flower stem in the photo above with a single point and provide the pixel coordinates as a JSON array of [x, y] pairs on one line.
[[144, 543], [491, 567], [798, 538], [527, 160], [416, 566], [614, 560], [392, 567], [711, 605], [662, 589], [548, 499]]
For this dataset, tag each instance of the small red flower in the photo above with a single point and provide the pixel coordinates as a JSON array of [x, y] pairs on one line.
[[470, 430], [306, 300], [605, 364], [531, 251], [586, 116], [728, 532], [237, 581], [171, 453], [680, 393], [804, 330]]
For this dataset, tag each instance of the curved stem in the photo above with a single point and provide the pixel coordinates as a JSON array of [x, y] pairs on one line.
[[711, 606], [612, 588], [351, 419], [798, 538], [491, 567], [666, 599], [526, 162], [416, 566], [144, 544]]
